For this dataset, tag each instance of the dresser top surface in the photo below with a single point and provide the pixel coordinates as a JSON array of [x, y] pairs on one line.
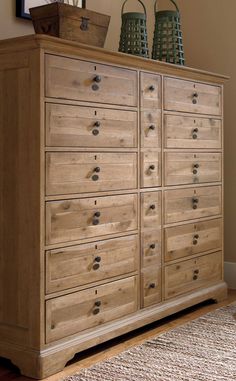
[[65, 47]]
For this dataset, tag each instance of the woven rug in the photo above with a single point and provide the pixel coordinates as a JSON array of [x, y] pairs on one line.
[[201, 350]]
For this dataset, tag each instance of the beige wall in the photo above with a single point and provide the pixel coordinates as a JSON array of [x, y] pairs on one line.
[[209, 40]]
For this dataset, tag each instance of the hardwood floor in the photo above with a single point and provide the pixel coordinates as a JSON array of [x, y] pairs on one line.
[[10, 373]]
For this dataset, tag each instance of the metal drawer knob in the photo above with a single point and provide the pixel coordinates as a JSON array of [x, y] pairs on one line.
[[97, 123], [96, 311], [195, 136], [97, 169], [95, 132], [195, 277], [195, 242], [152, 167], [95, 177], [152, 285], [97, 259], [97, 214], [97, 78], [98, 303], [196, 271], [152, 246], [196, 130], [95, 221], [195, 95], [153, 206], [96, 266], [195, 171], [196, 165], [196, 236], [152, 88], [195, 200], [152, 127]]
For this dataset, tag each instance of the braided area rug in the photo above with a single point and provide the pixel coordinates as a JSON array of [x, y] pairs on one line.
[[201, 350]]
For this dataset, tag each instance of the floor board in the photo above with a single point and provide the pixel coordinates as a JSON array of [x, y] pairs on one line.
[[104, 351]]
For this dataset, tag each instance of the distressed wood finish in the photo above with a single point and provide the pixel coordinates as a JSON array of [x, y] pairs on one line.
[[85, 264], [192, 274], [78, 126], [68, 241], [184, 241], [192, 168], [75, 79], [192, 132], [192, 97], [76, 172], [89, 308], [180, 204]]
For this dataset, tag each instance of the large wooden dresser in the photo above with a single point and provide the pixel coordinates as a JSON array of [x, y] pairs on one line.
[[111, 196]]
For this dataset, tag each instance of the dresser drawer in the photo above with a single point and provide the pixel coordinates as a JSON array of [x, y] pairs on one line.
[[192, 274], [77, 219], [150, 169], [81, 172], [151, 248], [182, 95], [77, 126], [150, 85], [192, 168], [82, 310], [192, 132], [151, 129], [150, 210], [187, 204], [151, 286], [73, 79], [186, 240], [83, 264]]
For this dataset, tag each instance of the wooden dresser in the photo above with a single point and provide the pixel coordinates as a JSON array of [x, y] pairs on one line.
[[111, 196]]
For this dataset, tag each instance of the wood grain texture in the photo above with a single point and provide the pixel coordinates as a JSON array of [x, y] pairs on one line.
[[150, 128]]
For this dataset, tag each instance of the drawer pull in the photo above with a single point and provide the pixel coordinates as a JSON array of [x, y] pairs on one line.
[[98, 303], [195, 200], [196, 130], [196, 236], [153, 206], [195, 136], [152, 88], [152, 285], [152, 127], [152, 246], [196, 165], [195, 277], [195, 171], [97, 78], [95, 132], [152, 167], [97, 169], [96, 311], [96, 266], [97, 214], [195, 242], [195, 95], [95, 177], [97, 259], [95, 87], [95, 221], [196, 271], [97, 123]]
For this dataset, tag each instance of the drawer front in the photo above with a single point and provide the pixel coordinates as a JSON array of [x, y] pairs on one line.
[[151, 248], [150, 210], [150, 90], [150, 169], [151, 129], [83, 264], [87, 81], [77, 219], [187, 240], [192, 132], [187, 204], [81, 172], [77, 126], [192, 274], [82, 310], [181, 95], [192, 168], [151, 286]]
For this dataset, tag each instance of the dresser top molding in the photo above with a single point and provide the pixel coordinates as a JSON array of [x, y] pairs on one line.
[[61, 46]]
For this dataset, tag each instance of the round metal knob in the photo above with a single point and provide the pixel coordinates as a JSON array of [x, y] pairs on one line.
[[195, 277], [196, 236], [95, 132], [152, 88], [97, 78], [96, 266], [97, 169], [153, 206], [195, 95], [95, 177], [194, 206], [95, 222], [96, 311], [152, 246], [195, 200], [195, 242], [152, 167], [195, 136], [194, 101], [196, 130], [152, 127], [98, 303], [97, 259], [97, 214], [152, 285], [196, 166], [195, 171], [196, 271], [97, 123]]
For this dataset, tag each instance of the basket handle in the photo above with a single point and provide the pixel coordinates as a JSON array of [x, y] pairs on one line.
[[173, 2], [123, 6]]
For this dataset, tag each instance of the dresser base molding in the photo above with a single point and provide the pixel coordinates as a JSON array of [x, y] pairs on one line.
[[53, 359]]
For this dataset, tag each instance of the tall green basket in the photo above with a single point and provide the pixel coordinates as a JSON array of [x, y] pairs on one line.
[[133, 37], [168, 40]]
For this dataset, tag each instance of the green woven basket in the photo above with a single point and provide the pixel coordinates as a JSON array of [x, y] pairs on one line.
[[133, 37], [167, 40]]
